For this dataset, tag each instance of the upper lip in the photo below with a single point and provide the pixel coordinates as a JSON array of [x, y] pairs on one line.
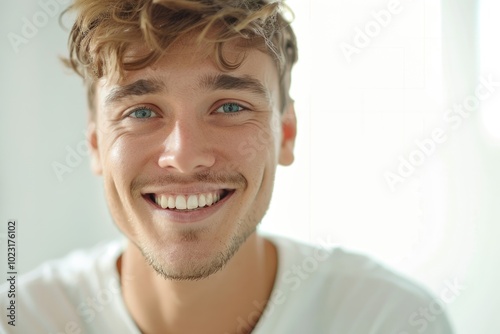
[[187, 190]]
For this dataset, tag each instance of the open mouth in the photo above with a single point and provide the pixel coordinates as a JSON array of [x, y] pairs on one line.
[[189, 202]]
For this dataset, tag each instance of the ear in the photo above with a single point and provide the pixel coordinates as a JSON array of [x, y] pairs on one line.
[[92, 142], [288, 134]]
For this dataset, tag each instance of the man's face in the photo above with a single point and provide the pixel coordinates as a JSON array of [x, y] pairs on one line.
[[188, 155]]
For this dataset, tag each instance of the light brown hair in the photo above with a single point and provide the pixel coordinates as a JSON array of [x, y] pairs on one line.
[[106, 29]]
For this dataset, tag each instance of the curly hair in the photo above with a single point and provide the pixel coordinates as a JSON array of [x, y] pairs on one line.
[[106, 29]]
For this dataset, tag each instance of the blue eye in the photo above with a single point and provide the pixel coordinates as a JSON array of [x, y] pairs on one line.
[[228, 108], [142, 113]]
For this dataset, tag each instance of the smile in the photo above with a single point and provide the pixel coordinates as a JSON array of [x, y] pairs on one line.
[[189, 201]]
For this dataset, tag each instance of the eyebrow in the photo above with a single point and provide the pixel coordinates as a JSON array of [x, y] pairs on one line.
[[208, 82], [230, 82], [136, 88]]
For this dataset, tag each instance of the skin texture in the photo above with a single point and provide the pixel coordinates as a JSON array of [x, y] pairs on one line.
[[181, 266]]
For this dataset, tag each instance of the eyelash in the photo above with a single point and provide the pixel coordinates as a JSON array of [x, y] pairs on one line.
[[243, 108], [155, 114]]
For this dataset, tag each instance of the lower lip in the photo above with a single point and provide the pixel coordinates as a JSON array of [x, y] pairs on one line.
[[190, 216]]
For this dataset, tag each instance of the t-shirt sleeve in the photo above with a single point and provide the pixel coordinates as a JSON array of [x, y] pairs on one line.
[[377, 300]]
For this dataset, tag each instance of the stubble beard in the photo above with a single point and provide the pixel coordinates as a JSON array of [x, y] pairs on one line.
[[195, 271]]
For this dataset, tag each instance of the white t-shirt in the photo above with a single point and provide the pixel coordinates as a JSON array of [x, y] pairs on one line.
[[316, 291]]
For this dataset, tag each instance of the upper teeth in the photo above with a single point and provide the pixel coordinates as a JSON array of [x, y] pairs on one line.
[[188, 202]]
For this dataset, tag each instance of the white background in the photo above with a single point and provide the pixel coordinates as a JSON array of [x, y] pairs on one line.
[[357, 117]]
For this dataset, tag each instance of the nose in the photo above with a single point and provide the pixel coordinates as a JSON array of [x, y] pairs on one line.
[[187, 148]]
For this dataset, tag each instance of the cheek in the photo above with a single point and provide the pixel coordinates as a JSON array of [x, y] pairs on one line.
[[254, 145], [124, 157], [255, 153]]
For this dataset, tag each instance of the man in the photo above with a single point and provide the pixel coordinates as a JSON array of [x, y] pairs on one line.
[[189, 117]]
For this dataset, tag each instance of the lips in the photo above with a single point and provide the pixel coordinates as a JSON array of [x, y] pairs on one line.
[[188, 201]]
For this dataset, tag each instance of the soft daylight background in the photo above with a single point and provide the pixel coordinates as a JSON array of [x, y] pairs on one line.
[[370, 96]]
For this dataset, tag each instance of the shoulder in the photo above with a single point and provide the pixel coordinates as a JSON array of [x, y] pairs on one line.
[[54, 295], [348, 288], [79, 266]]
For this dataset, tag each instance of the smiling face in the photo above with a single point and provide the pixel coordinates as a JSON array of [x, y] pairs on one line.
[[188, 155]]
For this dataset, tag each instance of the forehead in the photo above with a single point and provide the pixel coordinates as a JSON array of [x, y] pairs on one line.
[[193, 65]]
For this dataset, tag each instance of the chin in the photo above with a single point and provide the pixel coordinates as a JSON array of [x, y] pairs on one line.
[[192, 257]]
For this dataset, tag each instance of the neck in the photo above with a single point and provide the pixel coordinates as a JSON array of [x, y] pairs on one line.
[[229, 301]]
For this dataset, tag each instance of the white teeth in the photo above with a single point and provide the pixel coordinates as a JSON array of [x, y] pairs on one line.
[[210, 199], [201, 201], [171, 202], [164, 202], [180, 202], [192, 202]]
